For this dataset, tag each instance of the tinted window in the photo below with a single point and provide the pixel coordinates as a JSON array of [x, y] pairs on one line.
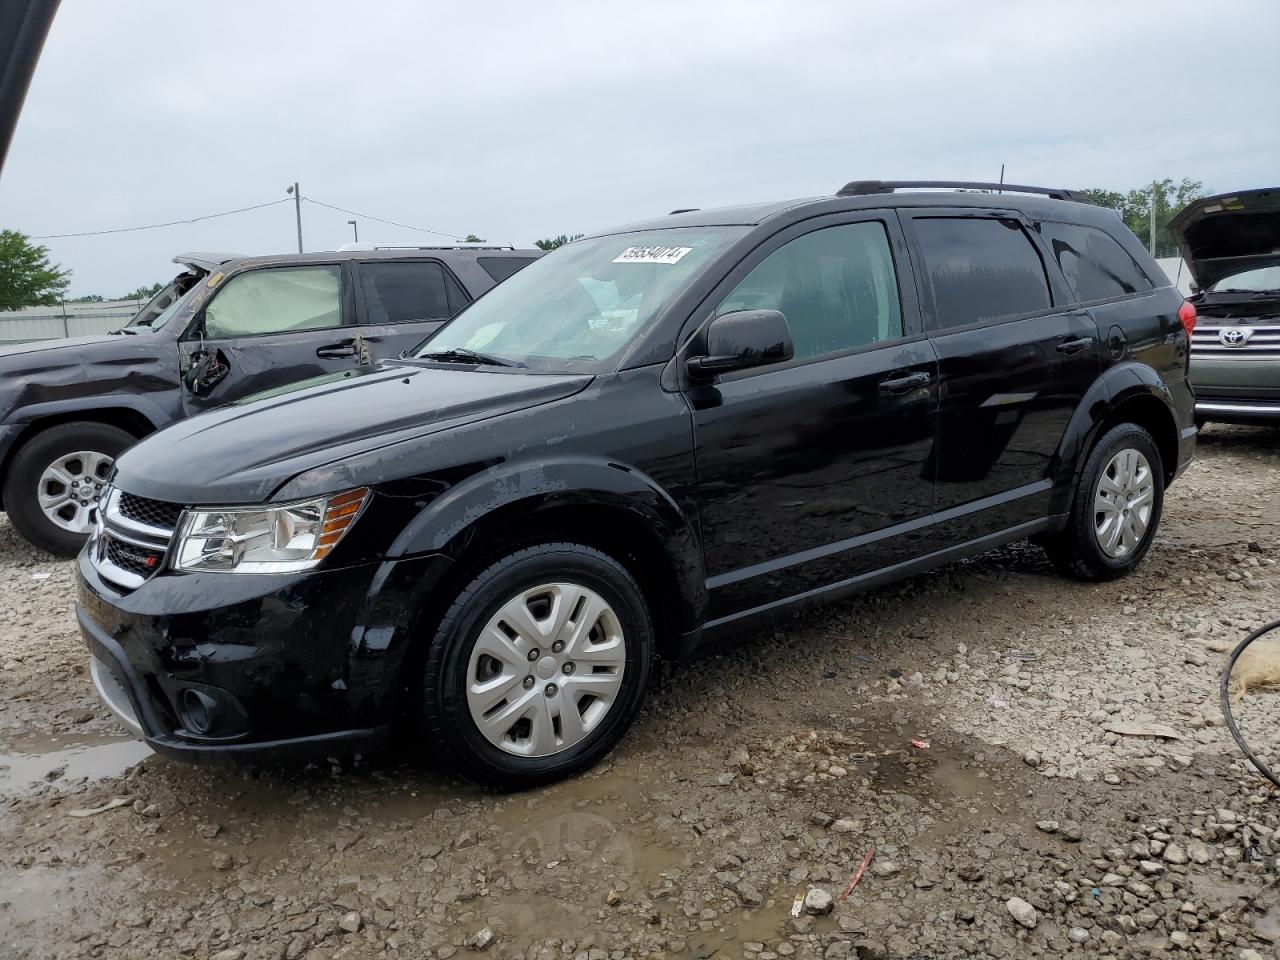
[[1094, 264], [399, 292], [502, 267], [980, 269], [276, 301], [837, 288]]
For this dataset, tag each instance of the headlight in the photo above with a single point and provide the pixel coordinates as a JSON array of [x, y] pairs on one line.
[[268, 539]]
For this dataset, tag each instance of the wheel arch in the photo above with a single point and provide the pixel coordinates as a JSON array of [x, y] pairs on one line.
[[133, 415], [609, 506], [1127, 393]]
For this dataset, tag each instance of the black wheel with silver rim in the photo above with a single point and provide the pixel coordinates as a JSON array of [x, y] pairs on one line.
[[55, 481], [538, 667], [1116, 507]]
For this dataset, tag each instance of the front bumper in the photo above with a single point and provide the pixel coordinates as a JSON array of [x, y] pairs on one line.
[[206, 666]]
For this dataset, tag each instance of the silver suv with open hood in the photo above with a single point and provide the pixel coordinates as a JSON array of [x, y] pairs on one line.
[[1231, 244]]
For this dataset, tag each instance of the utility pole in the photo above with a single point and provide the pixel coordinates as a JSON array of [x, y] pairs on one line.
[[355, 231], [297, 209], [1152, 246]]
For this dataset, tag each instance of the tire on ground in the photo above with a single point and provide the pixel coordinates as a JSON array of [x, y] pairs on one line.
[[21, 482], [1076, 550], [446, 719]]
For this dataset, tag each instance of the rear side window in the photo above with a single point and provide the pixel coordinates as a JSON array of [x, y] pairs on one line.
[[403, 292], [836, 287], [980, 269], [502, 267], [1095, 265]]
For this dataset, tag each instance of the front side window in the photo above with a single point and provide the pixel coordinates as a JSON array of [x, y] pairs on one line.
[[1096, 267], [502, 267], [402, 292], [980, 269], [836, 287], [579, 307], [276, 301]]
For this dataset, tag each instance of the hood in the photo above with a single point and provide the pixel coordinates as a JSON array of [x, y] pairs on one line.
[[71, 346], [244, 452], [205, 262], [1223, 235]]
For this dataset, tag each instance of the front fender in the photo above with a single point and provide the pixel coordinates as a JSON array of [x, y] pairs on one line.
[[521, 488], [143, 406]]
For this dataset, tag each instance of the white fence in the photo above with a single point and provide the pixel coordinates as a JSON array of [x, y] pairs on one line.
[[66, 320]]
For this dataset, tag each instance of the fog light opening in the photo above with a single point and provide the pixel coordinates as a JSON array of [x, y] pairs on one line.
[[199, 711]]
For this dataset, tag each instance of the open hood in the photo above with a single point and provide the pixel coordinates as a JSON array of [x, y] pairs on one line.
[[206, 262], [1228, 234]]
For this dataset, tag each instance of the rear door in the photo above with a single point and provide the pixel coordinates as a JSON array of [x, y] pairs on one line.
[[815, 471], [401, 302], [265, 328], [1015, 356]]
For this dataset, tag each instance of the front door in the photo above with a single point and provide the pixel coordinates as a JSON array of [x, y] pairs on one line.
[[402, 302], [1016, 357], [267, 328], [814, 471]]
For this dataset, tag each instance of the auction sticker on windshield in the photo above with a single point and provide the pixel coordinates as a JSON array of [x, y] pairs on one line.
[[652, 254]]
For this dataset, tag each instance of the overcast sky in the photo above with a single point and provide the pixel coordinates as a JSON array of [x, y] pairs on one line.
[[523, 120]]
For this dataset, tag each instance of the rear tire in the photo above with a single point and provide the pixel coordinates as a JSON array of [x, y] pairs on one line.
[[38, 485], [1116, 508], [538, 667]]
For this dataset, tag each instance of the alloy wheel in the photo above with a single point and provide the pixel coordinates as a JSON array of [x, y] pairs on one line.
[[70, 487], [546, 669], [1123, 503]]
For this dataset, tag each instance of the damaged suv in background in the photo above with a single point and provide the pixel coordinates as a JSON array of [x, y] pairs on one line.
[[225, 328], [1231, 244]]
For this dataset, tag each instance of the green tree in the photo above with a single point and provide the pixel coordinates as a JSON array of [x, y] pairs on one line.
[[472, 238], [144, 293], [1135, 208], [27, 278], [87, 298], [559, 241]]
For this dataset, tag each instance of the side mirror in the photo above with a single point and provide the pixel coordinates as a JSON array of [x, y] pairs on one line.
[[741, 340]]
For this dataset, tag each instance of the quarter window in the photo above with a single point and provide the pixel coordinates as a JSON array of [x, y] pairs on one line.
[[837, 288], [401, 292], [980, 268], [1096, 267], [276, 301]]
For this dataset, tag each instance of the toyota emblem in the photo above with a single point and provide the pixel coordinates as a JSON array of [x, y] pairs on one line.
[[1234, 337]]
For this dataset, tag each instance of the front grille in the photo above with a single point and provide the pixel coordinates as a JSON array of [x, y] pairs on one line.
[[154, 513], [138, 560], [1256, 342], [131, 538]]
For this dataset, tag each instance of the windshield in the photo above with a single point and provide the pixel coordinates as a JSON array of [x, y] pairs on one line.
[[578, 308], [161, 308], [1249, 281]]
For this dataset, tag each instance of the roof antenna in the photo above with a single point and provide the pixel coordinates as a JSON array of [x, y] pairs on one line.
[[1001, 177]]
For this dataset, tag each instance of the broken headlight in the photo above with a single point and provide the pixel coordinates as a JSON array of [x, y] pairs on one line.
[[267, 539]]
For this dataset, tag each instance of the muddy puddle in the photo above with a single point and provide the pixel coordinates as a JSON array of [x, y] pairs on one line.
[[27, 762]]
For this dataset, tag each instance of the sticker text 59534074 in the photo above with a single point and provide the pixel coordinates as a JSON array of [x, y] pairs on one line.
[[651, 254]]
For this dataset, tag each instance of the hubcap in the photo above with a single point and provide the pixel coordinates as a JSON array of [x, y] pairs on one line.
[[70, 487], [546, 669], [1122, 503]]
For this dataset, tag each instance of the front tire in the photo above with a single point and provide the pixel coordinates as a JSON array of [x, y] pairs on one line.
[[55, 479], [1116, 508], [538, 668]]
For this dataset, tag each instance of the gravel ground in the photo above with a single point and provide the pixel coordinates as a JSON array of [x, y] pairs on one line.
[[1036, 766]]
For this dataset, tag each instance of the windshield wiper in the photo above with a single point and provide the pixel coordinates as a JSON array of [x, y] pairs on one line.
[[463, 355]]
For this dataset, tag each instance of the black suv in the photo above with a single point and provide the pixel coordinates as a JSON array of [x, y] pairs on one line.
[[645, 439], [225, 328]]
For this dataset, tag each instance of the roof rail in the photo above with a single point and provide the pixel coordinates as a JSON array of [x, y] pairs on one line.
[[859, 188], [365, 245]]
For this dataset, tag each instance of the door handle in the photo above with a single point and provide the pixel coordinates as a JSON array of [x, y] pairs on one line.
[[336, 351], [1072, 347], [898, 385]]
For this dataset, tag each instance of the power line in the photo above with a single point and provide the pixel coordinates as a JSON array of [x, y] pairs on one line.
[[156, 226], [368, 216]]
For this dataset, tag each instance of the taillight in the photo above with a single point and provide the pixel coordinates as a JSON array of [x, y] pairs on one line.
[[1187, 314]]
